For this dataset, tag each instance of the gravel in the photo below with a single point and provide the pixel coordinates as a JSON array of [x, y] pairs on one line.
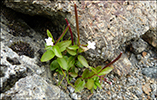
[[139, 84]]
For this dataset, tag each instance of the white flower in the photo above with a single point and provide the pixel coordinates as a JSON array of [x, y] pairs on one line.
[[91, 45], [49, 41]]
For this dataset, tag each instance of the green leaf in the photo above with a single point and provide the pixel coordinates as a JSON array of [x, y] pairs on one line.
[[105, 71], [73, 74], [48, 55], [98, 68], [71, 62], [95, 86], [76, 70], [98, 84], [91, 74], [50, 35], [48, 47], [63, 45], [73, 47], [96, 79], [82, 49], [83, 61], [54, 64], [59, 70], [92, 90], [63, 63], [71, 52], [77, 81], [57, 51], [78, 64], [79, 86], [85, 73], [93, 69], [90, 83]]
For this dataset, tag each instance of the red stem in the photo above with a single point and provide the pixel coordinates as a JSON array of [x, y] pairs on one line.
[[70, 31], [77, 25], [107, 65], [112, 61], [62, 34]]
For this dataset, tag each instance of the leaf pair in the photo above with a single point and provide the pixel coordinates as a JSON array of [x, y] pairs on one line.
[[79, 85], [72, 50], [64, 62], [50, 53]]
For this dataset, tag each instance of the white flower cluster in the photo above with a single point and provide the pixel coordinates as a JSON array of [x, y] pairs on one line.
[[91, 45], [49, 41]]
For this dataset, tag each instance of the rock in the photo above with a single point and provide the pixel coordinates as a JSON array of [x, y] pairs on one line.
[[151, 37], [144, 54], [122, 66], [74, 96], [108, 23], [71, 89], [12, 71], [150, 72], [139, 57], [34, 87], [138, 91], [22, 74], [138, 46], [146, 89]]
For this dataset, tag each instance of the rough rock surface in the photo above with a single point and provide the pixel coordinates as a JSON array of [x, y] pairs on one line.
[[108, 23], [151, 37], [140, 83], [22, 74], [34, 87]]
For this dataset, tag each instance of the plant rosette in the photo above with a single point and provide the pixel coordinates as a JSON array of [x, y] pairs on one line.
[[67, 59]]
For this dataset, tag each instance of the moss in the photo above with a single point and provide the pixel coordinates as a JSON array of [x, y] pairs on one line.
[[22, 48]]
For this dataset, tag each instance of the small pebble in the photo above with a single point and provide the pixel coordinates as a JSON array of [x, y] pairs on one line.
[[74, 96], [71, 89]]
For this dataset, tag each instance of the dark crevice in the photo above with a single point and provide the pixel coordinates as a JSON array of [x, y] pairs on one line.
[[9, 83], [22, 48], [1, 73], [13, 61], [20, 23]]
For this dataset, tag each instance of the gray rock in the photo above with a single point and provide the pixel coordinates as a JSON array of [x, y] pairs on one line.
[[11, 73], [151, 37], [139, 57], [150, 72], [71, 89], [74, 96], [112, 24], [132, 81], [138, 92], [154, 87], [139, 46], [34, 87], [22, 75]]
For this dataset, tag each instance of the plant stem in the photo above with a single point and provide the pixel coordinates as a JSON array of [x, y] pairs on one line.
[[70, 31], [106, 65], [61, 81], [77, 25], [69, 82], [112, 61], [66, 29]]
